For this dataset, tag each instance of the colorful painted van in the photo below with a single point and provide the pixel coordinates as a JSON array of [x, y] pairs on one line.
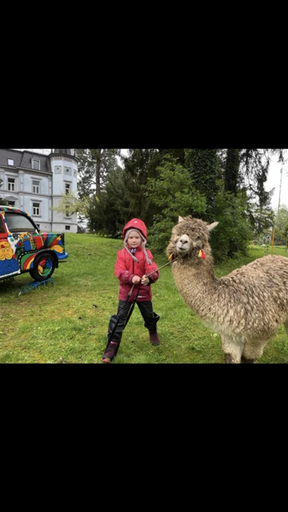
[[24, 248]]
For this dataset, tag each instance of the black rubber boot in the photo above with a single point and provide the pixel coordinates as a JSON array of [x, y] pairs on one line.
[[154, 338]]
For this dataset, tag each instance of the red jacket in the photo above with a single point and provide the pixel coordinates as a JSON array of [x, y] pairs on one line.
[[126, 268]]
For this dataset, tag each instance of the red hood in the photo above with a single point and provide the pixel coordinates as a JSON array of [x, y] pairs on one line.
[[137, 224]]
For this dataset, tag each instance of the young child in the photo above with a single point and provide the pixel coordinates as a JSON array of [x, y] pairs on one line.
[[133, 264]]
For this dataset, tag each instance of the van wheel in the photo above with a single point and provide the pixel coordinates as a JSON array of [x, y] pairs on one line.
[[44, 266]]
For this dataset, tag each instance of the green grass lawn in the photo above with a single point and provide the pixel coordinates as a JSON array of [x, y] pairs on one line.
[[68, 321]]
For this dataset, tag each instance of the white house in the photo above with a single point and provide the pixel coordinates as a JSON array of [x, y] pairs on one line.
[[34, 179]]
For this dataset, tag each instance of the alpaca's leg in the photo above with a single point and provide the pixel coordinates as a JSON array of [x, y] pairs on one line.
[[232, 350], [247, 361], [228, 359], [253, 351], [286, 327]]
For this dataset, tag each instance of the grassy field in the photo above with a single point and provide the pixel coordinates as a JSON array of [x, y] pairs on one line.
[[67, 322]]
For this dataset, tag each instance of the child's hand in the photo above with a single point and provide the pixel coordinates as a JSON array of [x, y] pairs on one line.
[[145, 280], [136, 279]]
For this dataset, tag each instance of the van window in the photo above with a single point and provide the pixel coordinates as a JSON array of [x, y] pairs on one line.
[[19, 223]]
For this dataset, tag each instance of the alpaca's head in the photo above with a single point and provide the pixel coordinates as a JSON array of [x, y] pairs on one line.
[[189, 237]]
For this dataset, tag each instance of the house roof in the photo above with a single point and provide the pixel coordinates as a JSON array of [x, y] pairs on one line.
[[10, 153], [27, 157], [23, 159]]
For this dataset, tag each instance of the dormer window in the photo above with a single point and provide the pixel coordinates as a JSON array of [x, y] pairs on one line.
[[10, 161], [35, 164]]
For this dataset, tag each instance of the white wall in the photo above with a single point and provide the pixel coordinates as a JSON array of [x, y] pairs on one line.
[[64, 171]]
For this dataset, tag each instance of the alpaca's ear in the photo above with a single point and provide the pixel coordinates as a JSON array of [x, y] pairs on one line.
[[180, 219], [212, 226]]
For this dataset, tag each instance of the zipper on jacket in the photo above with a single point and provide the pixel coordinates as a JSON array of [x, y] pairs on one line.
[[133, 267]]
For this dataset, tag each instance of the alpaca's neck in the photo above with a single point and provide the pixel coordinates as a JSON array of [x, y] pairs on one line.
[[197, 284]]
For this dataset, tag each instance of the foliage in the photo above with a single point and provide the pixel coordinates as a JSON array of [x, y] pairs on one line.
[[231, 176], [259, 219], [174, 194], [280, 224], [122, 195], [233, 229], [116, 194], [203, 164], [94, 166], [140, 166], [70, 204], [254, 167], [245, 171], [285, 233], [106, 212]]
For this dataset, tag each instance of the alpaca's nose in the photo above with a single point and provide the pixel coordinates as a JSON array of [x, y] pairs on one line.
[[183, 241]]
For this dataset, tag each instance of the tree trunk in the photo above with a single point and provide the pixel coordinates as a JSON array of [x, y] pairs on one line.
[[97, 155], [232, 171], [98, 165]]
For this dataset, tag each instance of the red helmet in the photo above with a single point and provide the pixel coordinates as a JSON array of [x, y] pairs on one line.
[[136, 224]]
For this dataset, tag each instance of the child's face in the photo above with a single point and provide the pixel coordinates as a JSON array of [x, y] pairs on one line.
[[134, 239]]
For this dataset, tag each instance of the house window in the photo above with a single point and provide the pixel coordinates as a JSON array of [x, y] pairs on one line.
[[11, 184], [36, 208], [35, 187], [67, 228], [67, 188], [10, 161], [36, 164]]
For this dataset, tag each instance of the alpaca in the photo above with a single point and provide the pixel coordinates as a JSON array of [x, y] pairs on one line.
[[245, 307]]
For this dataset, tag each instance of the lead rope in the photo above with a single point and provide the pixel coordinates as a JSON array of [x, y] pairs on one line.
[[156, 270]]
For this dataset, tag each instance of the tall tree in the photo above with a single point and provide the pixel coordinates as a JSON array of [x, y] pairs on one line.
[[93, 168], [106, 212], [253, 172], [248, 168], [245, 172], [174, 193], [139, 166], [205, 172]]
